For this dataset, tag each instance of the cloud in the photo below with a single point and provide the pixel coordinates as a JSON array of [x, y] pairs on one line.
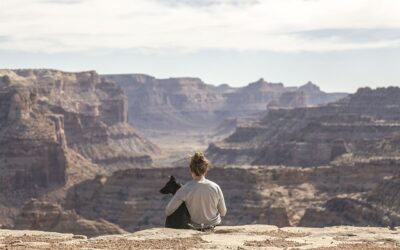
[[207, 3], [62, 1], [192, 25], [353, 35], [4, 39]]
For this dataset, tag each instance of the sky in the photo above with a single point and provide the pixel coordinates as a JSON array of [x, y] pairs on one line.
[[338, 44]]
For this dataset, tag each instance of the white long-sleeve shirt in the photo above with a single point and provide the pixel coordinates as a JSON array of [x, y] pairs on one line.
[[204, 201]]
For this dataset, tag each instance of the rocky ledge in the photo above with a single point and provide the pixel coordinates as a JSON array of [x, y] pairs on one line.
[[237, 237]]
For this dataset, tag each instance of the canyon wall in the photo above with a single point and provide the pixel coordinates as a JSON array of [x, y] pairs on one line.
[[66, 134], [364, 124], [59, 128], [45, 216], [33, 151], [186, 104], [78, 111], [263, 195], [377, 207]]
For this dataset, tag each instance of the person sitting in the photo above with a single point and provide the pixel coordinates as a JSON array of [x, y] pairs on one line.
[[204, 199]]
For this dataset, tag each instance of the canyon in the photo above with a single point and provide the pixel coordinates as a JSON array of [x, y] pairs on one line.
[[87, 154], [359, 132], [185, 104], [364, 124], [185, 114]]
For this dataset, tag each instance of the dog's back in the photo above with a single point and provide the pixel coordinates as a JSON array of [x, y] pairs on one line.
[[181, 217]]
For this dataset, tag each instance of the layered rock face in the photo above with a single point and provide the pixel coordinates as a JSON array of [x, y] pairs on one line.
[[347, 211], [186, 104], [169, 104], [62, 128], [45, 216], [73, 111], [357, 137], [387, 195], [33, 151], [363, 124], [57, 129], [378, 207], [131, 198], [265, 195]]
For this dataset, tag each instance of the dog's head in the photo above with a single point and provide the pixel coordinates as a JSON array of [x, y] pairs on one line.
[[171, 186]]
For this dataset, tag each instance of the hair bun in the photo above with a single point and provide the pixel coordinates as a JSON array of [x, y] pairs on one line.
[[198, 157], [199, 164]]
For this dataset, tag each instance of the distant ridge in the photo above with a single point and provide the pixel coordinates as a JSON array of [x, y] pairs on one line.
[[187, 103]]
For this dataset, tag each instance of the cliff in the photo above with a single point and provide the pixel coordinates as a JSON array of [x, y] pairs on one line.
[[387, 194], [186, 104], [77, 111], [238, 237], [375, 208], [57, 129], [364, 124], [45, 216], [266, 195]]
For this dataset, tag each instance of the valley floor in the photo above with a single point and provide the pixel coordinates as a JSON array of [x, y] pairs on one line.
[[233, 237], [175, 148]]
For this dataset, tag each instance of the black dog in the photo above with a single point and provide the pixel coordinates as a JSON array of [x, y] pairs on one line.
[[181, 217]]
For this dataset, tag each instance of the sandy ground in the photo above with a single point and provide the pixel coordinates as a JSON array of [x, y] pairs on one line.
[[238, 238], [177, 147]]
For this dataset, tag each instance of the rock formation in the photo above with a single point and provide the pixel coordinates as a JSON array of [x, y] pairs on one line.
[[131, 198], [34, 143], [270, 195], [45, 216], [186, 104], [363, 124], [387, 195], [77, 111], [379, 207], [67, 132], [57, 129]]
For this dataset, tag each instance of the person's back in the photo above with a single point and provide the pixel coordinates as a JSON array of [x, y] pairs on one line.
[[203, 198]]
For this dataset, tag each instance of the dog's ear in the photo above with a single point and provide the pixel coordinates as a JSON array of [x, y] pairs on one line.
[[172, 178]]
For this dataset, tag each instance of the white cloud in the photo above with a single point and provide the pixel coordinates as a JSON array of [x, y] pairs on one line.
[[207, 3], [186, 25]]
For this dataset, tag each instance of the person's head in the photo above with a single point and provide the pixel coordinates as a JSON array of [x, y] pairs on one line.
[[198, 165]]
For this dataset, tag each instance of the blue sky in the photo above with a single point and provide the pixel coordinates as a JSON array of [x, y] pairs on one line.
[[339, 44]]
